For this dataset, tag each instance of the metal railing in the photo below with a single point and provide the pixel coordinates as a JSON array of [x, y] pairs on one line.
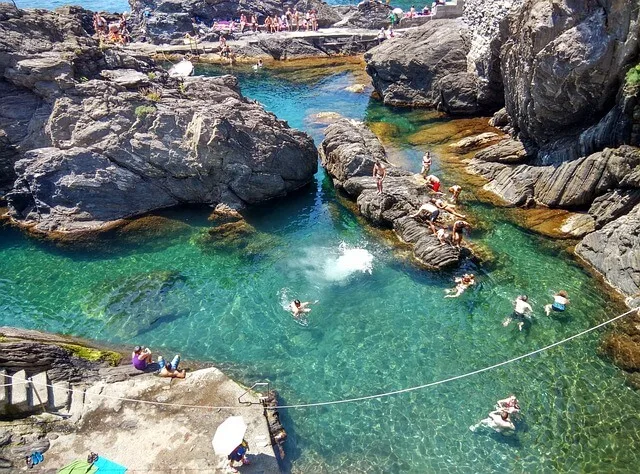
[[257, 384]]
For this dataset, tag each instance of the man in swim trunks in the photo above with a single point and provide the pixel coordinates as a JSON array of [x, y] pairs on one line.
[[379, 173], [431, 213], [498, 421], [560, 302], [140, 357], [521, 312], [455, 191], [458, 227]]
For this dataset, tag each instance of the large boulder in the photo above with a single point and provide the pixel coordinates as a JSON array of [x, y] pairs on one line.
[[427, 67], [614, 251], [563, 63], [102, 135], [370, 15], [348, 153]]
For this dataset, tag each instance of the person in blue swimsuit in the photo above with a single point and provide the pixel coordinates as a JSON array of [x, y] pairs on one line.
[[560, 302], [239, 455]]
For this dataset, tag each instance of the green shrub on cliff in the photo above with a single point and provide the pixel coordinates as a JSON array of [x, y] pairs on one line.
[[144, 110], [633, 76]]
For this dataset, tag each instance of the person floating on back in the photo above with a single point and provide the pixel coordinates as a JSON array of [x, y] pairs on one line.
[[560, 302], [463, 282]]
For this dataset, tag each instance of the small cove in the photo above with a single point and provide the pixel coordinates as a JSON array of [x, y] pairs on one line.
[[369, 333]]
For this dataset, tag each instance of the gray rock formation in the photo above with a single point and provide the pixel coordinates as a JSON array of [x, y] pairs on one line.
[[165, 21], [104, 135], [370, 15], [427, 67], [348, 153], [563, 63], [614, 251]]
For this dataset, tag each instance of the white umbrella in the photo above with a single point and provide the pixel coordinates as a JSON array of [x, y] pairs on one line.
[[397, 11], [229, 435], [182, 69]]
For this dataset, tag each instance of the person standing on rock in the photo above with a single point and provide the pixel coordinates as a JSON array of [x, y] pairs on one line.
[[289, 15], [426, 164], [458, 227], [381, 35], [379, 173], [455, 191]]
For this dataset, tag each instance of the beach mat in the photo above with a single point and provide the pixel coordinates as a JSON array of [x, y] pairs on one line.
[[108, 467], [79, 466]]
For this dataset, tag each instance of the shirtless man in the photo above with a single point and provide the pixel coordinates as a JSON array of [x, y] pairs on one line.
[[458, 227], [426, 164], [455, 191], [498, 421], [450, 208], [431, 213], [521, 312], [298, 308], [379, 173], [433, 183], [171, 369], [463, 282]]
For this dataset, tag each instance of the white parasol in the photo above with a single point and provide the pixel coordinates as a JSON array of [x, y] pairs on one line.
[[397, 11], [229, 435]]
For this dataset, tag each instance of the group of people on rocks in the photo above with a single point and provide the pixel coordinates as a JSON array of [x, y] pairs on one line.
[[290, 20], [114, 32]]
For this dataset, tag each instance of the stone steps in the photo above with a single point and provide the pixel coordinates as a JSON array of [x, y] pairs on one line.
[[20, 394]]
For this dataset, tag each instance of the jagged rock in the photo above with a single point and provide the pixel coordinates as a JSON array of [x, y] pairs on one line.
[[614, 251], [562, 63], [114, 149], [571, 185], [500, 119], [610, 206], [506, 151], [476, 141], [371, 15], [348, 153], [223, 214]]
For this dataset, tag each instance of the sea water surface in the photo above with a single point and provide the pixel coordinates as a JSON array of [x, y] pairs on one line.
[[380, 323]]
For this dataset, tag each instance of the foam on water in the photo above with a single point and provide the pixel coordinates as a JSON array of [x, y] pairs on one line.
[[350, 261]]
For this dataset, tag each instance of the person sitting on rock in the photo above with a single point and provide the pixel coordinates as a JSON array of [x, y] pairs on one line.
[[171, 369], [141, 358], [443, 236], [426, 10], [430, 211], [457, 229], [433, 183], [463, 283], [239, 454], [450, 208], [560, 302], [254, 23], [455, 191], [379, 173]]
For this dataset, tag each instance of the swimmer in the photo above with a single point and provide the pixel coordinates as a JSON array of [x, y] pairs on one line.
[[498, 421], [560, 302], [463, 283], [450, 208], [455, 191], [521, 313], [379, 173], [258, 65], [510, 404], [298, 308]]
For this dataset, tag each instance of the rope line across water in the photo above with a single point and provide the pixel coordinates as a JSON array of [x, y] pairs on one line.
[[357, 399]]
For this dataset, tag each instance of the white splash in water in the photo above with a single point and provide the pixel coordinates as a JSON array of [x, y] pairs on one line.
[[350, 261]]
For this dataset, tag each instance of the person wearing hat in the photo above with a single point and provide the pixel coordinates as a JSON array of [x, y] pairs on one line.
[[141, 357]]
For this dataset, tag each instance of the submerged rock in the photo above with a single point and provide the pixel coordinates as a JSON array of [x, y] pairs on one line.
[[122, 139], [348, 153]]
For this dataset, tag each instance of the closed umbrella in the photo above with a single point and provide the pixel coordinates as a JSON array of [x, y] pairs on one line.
[[229, 435], [397, 11]]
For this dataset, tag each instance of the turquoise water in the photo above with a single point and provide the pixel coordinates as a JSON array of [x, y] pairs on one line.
[[369, 332]]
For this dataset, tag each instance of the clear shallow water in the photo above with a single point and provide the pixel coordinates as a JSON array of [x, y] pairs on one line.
[[369, 333]]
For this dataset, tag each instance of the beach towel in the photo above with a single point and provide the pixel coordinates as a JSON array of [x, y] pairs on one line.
[[79, 466], [108, 467]]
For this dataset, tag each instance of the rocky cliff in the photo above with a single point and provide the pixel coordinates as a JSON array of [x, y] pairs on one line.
[[348, 153], [102, 135]]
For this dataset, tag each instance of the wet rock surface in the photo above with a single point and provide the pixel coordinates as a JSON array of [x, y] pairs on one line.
[[348, 153], [122, 139]]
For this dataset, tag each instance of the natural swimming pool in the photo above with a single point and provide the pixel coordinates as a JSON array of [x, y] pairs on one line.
[[369, 333]]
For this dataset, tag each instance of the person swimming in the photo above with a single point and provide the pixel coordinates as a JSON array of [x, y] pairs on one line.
[[560, 302], [463, 282], [499, 421], [298, 309]]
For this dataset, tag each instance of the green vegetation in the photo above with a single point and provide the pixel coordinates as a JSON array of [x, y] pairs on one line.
[[144, 110], [93, 355], [151, 76], [633, 76], [151, 93], [182, 88]]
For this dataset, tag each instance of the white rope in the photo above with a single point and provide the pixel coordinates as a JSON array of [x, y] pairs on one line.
[[367, 397]]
